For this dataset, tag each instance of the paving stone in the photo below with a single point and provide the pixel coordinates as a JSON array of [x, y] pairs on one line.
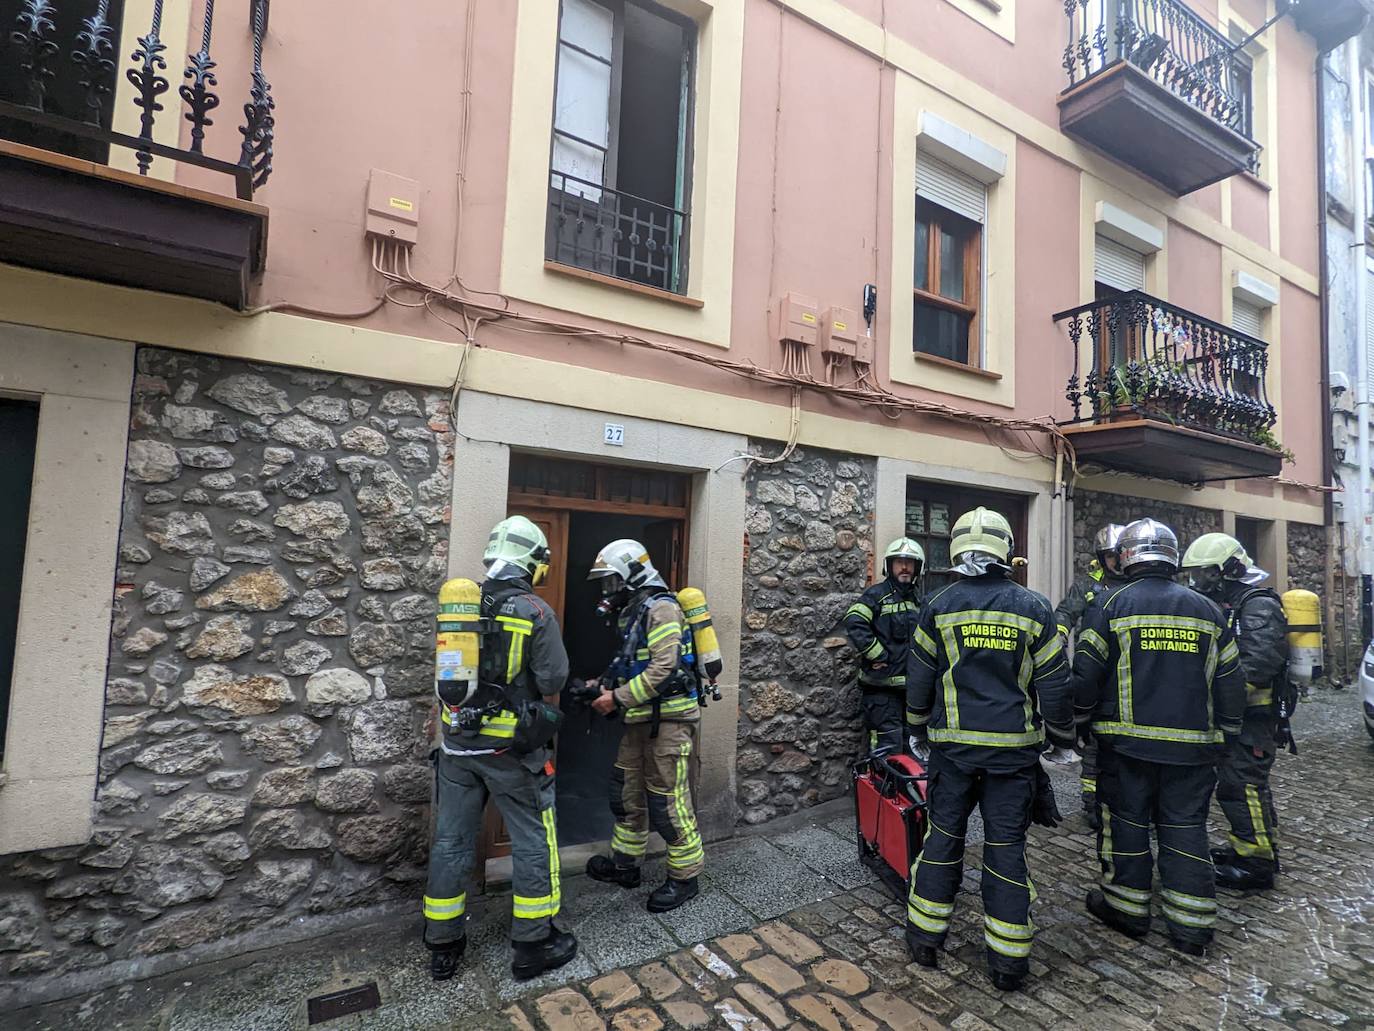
[[736, 1017], [841, 976], [711, 913], [613, 990], [767, 881], [687, 1015], [815, 1012], [762, 1003], [567, 1010], [774, 973], [739, 946], [852, 1018], [897, 1014], [789, 943], [831, 855], [637, 1019], [696, 978], [658, 980], [713, 963]]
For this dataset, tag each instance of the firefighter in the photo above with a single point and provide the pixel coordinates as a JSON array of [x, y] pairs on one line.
[[1218, 566], [653, 684], [1103, 574], [986, 680], [1158, 674], [522, 663], [879, 626]]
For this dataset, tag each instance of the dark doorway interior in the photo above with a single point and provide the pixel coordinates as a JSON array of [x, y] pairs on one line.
[[587, 743], [18, 439]]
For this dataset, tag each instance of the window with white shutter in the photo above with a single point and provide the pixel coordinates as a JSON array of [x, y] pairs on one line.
[[951, 208], [1247, 318], [1117, 266]]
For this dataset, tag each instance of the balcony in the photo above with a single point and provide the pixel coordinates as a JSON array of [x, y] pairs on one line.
[[80, 197], [1157, 88], [1159, 391]]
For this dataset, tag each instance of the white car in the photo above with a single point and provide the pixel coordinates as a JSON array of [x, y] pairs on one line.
[[1367, 688]]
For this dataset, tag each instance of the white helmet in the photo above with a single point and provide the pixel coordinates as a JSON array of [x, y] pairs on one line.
[[628, 560]]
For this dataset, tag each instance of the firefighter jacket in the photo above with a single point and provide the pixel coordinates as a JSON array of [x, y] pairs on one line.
[[1083, 592], [522, 661], [1158, 673], [1261, 631], [987, 673], [655, 667], [879, 626]]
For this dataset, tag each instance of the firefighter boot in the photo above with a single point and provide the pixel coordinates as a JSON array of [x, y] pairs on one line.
[[1098, 907], [1004, 982], [1236, 877], [1090, 811], [443, 959], [533, 958], [601, 868], [921, 953], [672, 894]]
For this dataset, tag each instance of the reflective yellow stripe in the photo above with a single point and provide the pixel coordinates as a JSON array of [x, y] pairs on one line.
[[659, 633], [1195, 902], [1258, 696], [924, 641], [629, 842], [445, 909], [1030, 626], [873, 650], [516, 624], [898, 606], [990, 738], [917, 719], [1045, 654], [1187, 918], [670, 707], [1005, 929], [898, 681], [688, 851], [1093, 640], [639, 690], [860, 609], [1190, 737], [1262, 844], [1117, 898], [1203, 626], [1230, 651], [926, 923], [937, 909]]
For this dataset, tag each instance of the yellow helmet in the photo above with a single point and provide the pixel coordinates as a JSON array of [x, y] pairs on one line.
[[517, 547], [984, 531], [904, 547]]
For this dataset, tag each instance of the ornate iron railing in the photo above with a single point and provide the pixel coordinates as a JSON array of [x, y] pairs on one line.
[[34, 47], [1144, 357], [617, 234], [1166, 40]]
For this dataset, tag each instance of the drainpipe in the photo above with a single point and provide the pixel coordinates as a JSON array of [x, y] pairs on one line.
[[1360, 258]]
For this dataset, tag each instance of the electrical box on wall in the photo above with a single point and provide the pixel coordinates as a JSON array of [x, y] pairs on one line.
[[393, 207], [863, 349], [797, 319], [840, 332]]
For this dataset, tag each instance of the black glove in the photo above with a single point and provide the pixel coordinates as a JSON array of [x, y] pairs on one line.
[[1044, 808]]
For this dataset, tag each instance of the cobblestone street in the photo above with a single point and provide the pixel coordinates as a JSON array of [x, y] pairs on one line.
[[791, 933]]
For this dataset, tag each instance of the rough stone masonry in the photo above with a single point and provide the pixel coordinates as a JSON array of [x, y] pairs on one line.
[[284, 534]]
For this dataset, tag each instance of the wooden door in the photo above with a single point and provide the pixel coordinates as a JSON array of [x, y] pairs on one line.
[[554, 523]]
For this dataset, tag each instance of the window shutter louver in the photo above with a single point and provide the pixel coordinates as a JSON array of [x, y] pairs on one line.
[[1118, 266], [1247, 318], [940, 184]]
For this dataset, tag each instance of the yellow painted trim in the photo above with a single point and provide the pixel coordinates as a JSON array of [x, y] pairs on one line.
[[720, 55], [845, 24], [1271, 324], [176, 33], [998, 302], [1093, 190], [81, 306]]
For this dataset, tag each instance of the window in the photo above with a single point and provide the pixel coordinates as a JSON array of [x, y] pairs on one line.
[[951, 208], [18, 438], [619, 187], [1242, 89], [1116, 269], [932, 508]]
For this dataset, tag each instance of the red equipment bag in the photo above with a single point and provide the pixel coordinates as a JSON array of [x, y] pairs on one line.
[[890, 815]]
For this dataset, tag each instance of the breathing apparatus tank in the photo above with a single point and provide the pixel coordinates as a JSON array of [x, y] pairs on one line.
[[458, 647], [1304, 612], [704, 641]]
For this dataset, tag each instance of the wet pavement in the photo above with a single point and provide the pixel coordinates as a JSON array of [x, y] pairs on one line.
[[791, 932]]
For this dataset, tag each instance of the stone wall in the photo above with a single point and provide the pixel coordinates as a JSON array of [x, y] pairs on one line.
[[1313, 555], [810, 540], [284, 533], [1094, 509]]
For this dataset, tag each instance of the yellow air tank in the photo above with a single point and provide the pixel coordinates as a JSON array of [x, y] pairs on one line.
[[1304, 612], [457, 650], [704, 641]]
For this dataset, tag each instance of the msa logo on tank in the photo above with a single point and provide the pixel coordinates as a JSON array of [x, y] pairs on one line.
[[995, 636], [1168, 639]]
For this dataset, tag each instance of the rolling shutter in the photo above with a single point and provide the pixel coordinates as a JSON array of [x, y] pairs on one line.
[[1118, 266], [941, 184], [1247, 318]]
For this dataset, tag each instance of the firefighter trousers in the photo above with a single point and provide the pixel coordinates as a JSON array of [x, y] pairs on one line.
[[524, 796], [1005, 801], [885, 719], [651, 789], [1244, 796], [1133, 795], [1088, 771]]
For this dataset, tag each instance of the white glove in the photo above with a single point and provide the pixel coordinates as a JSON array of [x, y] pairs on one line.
[[920, 749]]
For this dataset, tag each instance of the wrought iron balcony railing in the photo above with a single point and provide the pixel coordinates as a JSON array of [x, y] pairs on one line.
[[1135, 356], [617, 234], [1170, 43], [49, 64]]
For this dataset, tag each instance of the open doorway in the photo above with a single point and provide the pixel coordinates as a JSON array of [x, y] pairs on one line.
[[581, 507]]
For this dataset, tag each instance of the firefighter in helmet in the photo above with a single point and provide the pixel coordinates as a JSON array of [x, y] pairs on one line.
[[653, 685], [879, 626], [482, 755], [987, 679], [1218, 567], [1157, 674], [1103, 574]]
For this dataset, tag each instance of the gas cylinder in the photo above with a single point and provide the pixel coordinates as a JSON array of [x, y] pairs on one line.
[[704, 641], [457, 649], [1304, 612]]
